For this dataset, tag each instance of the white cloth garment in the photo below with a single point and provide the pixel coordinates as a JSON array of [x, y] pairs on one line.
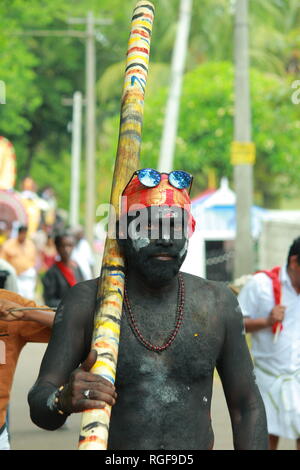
[[4, 442], [83, 256], [11, 280], [277, 365], [26, 283], [281, 396]]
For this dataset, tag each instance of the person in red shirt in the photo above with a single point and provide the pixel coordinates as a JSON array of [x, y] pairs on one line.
[[64, 273]]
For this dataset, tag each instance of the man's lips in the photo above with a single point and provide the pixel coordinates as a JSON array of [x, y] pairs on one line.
[[163, 257]]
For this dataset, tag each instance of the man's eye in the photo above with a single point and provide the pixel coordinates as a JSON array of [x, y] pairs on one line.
[[153, 226], [177, 227]]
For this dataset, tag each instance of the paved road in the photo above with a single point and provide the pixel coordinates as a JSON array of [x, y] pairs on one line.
[[25, 435]]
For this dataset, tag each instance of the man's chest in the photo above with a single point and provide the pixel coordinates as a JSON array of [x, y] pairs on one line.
[[190, 357]]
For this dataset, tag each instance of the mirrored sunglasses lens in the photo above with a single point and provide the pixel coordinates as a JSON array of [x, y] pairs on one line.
[[180, 179], [149, 177]]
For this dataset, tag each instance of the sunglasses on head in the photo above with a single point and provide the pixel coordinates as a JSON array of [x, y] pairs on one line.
[[151, 178]]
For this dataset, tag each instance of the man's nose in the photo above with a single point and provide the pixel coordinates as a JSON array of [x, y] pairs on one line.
[[165, 240]]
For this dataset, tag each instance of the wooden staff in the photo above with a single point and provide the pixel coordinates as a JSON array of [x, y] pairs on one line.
[[278, 328], [19, 309], [95, 423], [279, 324]]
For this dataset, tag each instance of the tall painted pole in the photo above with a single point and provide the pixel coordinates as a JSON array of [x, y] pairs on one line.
[[168, 142], [243, 151], [95, 423], [75, 164]]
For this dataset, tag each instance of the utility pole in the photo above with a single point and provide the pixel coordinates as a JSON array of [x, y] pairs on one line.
[[90, 119], [168, 142], [77, 103], [243, 150], [76, 153]]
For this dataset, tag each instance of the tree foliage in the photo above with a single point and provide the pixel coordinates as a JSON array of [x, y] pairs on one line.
[[205, 130], [40, 71]]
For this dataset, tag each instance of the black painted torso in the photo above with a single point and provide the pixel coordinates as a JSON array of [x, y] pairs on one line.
[[164, 398]]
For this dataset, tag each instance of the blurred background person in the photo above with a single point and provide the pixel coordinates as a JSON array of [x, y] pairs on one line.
[[4, 233], [8, 276], [21, 253], [8, 282], [44, 242], [270, 302], [48, 254], [17, 329], [64, 273], [48, 195], [82, 253]]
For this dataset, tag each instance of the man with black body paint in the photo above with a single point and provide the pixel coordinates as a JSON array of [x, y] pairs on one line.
[[161, 400]]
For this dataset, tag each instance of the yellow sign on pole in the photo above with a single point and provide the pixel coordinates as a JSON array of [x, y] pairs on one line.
[[242, 153]]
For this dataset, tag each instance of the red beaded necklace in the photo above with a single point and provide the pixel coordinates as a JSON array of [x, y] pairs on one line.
[[179, 319]]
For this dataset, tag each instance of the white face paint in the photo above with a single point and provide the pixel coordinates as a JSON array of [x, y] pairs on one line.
[[139, 243], [184, 249]]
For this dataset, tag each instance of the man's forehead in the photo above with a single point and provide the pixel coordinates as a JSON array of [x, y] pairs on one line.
[[165, 212], [157, 212]]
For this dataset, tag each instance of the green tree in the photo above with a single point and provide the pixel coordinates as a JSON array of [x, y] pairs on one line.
[[274, 34], [40, 71], [206, 130]]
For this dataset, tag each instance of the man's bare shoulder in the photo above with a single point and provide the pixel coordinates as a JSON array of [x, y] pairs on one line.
[[85, 287], [205, 287], [212, 298], [79, 302], [84, 292]]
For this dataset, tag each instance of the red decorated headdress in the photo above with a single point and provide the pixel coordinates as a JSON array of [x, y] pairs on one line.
[[137, 196]]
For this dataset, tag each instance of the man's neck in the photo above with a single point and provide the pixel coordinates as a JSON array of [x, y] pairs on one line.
[[67, 263], [146, 287]]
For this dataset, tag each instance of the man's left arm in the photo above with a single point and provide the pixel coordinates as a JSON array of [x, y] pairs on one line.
[[235, 368]]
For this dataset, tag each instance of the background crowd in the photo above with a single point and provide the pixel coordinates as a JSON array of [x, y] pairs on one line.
[[46, 255]]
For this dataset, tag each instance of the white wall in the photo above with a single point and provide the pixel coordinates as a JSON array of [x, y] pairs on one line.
[[194, 262], [275, 240]]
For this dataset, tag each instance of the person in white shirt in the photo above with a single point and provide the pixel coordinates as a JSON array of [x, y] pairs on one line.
[[276, 356], [82, 253], [8, 276]]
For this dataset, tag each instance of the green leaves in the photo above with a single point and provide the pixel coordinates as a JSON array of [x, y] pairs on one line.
[[205, 129], [40, 71]]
